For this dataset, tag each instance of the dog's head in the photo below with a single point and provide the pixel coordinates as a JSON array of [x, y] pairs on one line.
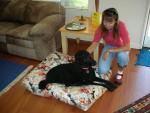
[[84, 58]]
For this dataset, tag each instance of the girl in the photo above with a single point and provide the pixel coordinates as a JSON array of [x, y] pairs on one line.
[[117, 43]]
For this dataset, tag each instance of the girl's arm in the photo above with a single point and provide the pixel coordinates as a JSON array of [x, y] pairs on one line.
[[92, 47], [95, 42]]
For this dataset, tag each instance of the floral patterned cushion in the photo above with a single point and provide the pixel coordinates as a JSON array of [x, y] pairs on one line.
[[80, 96]]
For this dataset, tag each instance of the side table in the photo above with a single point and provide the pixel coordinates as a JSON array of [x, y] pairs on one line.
[[85, 35]]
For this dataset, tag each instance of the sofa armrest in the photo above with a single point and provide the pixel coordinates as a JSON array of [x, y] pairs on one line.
[[48, 26]]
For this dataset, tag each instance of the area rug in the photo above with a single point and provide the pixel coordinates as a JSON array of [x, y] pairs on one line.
[[140, 106], [143, 58], [10, 73]]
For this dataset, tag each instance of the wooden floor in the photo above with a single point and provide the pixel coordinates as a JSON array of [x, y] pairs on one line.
[[136, 83]]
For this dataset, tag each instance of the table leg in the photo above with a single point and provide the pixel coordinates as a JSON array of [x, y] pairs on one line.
[[64, 43]]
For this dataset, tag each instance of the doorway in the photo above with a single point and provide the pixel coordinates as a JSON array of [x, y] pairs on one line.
[[146, 42]]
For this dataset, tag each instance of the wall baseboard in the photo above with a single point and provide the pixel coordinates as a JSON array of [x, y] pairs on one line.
[[135, 45]]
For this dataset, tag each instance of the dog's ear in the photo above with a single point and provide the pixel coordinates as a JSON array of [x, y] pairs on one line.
[[81, 55], [42, 84], [89, 61], [84, 58]]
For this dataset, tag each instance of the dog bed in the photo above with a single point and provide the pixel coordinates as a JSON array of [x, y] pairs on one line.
[[80, 96]]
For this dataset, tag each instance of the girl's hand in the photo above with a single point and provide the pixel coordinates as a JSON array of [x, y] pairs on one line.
[[106, 54]]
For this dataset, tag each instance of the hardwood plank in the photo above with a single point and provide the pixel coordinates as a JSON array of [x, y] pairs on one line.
[[135, 85]]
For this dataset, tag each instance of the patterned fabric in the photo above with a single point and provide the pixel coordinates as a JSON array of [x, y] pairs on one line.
[[140, 106], [82, 97]]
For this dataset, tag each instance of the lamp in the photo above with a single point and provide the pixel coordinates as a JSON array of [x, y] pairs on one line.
[[97, 5], [82, 17]]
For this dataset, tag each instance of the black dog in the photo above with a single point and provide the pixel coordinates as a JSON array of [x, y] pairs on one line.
[[77, 73]]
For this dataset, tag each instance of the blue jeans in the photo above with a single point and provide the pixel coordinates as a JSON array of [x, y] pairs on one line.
[[104, 65]]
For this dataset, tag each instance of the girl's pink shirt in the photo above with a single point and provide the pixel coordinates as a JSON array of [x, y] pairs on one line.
[[122, 40]]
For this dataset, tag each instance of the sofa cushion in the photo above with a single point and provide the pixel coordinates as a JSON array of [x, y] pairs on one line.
[[21, 51], [6, 26], [20, 32], [3, 47], [14, 11], [50, 24], [37, 10], [20, 42]]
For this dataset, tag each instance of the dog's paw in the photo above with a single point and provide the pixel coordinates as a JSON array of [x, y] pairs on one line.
[[112, 87]]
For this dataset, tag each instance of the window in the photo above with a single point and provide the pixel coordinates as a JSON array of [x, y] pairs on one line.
[[80, 4], [77, 4], [48, 0]]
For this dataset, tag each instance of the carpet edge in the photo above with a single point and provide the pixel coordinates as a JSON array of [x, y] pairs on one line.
[[132, 104], [21, 75]]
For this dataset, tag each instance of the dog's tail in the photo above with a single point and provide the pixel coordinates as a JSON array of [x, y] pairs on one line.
[[42, 84]]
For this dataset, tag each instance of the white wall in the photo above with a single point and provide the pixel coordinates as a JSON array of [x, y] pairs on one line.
[[132, 12]]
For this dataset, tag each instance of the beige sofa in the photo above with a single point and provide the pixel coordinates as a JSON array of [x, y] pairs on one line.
[[30, 28]]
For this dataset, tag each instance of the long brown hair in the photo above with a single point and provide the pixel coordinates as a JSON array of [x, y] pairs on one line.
[[109, 15]]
